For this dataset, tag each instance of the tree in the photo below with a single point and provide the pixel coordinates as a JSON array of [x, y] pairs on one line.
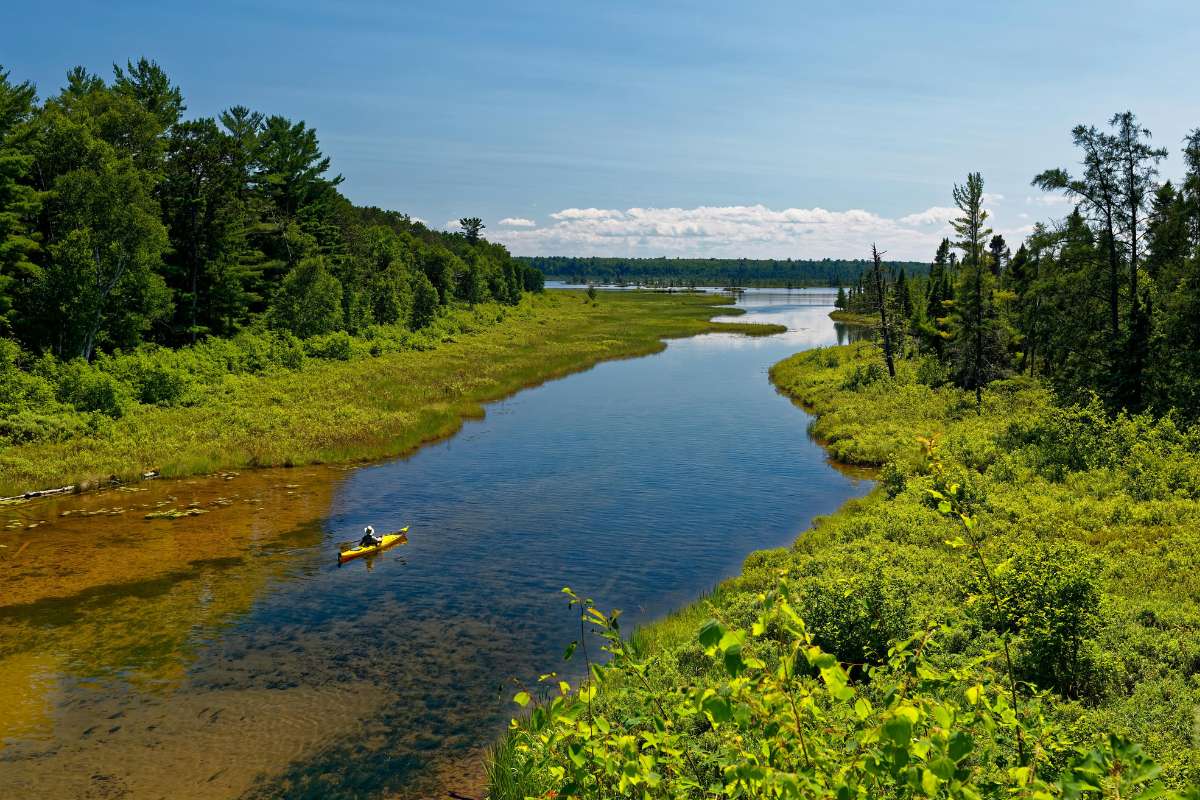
[[1167, 244], [840, 302], [978, 342], [998, 249], [147, 84], [885, 325], [19, 201], [102, 281], [471, 228], [425, 301], [207, 221], [1098, 192], [309, 301], [291, 166], [1137, 165]]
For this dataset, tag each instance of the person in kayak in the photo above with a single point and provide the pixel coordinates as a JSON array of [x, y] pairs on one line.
[[370, 539]]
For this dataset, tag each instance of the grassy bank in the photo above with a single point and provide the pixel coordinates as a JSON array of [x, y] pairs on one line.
[[362, 405], [1090, 528], [853, 318]]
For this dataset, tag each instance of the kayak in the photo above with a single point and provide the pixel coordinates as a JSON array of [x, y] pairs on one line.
[[389, 539]]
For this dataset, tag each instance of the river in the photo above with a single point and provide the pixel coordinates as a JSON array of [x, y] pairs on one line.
[[224, 653]]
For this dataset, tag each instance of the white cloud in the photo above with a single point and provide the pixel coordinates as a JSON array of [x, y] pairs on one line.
[[738, 231], [451, 225], [584, 213], [518, 222], [1048, 200], [938, 215], [990, 199]]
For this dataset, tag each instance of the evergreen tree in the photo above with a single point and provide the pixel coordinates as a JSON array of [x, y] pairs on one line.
[[19, 201], [1098, 192], [999, 252], [978, 342], [1136, 166]]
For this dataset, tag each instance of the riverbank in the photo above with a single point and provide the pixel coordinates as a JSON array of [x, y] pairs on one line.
[[370, 407], [853, 318], [1091, 525]]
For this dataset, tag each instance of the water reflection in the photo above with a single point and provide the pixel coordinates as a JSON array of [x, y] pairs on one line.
[[848, 333], [226, 654]]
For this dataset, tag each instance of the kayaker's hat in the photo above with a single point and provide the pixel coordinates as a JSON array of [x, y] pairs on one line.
[[368, 529]]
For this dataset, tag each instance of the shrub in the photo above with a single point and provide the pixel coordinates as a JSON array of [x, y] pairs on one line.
[[1049, 597], [87, 388], [155, 376], [337, 346], [864, 376], [932, 372], [857, 613]]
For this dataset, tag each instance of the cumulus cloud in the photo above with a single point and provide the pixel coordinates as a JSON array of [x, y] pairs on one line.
[[518, 222], [938, 215], [1048, 200], [736, 231]]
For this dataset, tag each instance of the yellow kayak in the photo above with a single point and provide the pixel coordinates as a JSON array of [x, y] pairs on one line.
[[389, 539]]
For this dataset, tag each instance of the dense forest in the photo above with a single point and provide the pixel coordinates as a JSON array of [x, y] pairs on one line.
[[1104, 301], [128, 231], [708, 271]]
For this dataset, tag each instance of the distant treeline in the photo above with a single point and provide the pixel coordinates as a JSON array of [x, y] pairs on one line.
[[711, 271]]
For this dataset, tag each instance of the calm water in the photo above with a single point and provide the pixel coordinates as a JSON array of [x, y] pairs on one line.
[[236, 659]]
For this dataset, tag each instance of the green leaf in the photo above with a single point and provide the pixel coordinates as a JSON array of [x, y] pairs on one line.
[[862, 708], [521, 698], [718, 709], [898, 730], [711, 632], [570, 651], [929, 782], [961, 745], [733, 661], [943, 768]]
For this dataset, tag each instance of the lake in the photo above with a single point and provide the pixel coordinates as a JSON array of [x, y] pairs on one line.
[[225, 654]]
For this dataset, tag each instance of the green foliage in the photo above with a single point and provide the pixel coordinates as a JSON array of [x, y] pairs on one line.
[[123, 224], [309, 301], [1048, 595], [779, 716], [86, 387]]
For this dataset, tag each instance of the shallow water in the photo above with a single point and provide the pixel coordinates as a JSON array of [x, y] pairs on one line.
[[226, 654]]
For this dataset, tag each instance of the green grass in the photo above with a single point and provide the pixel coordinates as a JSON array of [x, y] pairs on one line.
[[854, 318], [1056, 490], [372, 407]]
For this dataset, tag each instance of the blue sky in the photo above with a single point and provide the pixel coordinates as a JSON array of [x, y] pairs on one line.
[[643, 128]]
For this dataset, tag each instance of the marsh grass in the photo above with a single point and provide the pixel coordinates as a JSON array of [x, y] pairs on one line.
[[373, 406], [854, 318]]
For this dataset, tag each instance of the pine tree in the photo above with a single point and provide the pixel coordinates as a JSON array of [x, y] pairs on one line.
[[19, 201], [978, 341]]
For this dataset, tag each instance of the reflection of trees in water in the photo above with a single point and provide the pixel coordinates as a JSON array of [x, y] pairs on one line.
[[849, 334]]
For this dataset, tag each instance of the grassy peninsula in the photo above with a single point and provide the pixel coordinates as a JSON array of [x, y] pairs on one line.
[[372, 396], [1087, 524]]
